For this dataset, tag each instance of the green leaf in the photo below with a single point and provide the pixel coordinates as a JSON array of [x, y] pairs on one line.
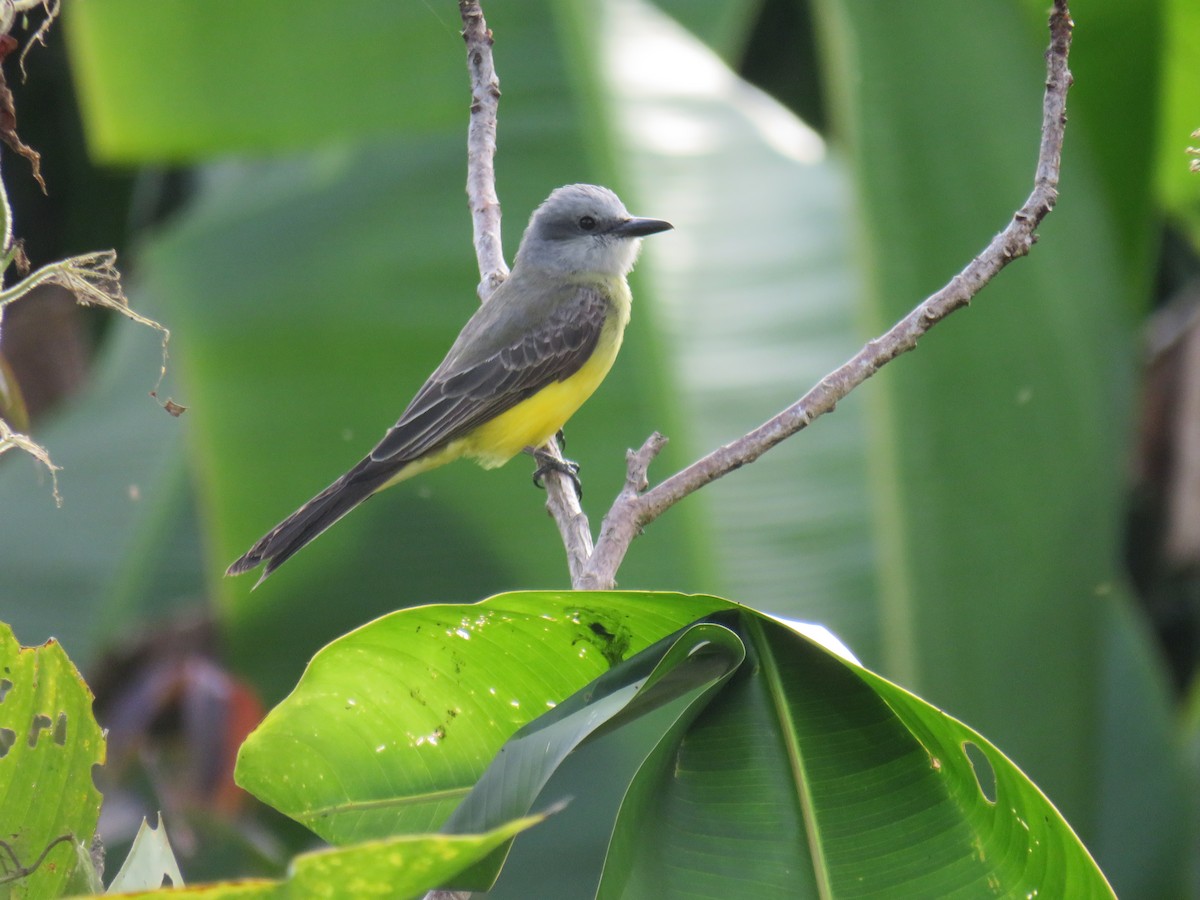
[[400, 866], [695, 662], [801, 772], [1178, 186], [810, 776], [230, 77], [392, 724], [49, 744]]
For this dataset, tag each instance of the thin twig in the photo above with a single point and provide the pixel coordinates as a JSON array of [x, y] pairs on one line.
[[561, 499], [632, 512]]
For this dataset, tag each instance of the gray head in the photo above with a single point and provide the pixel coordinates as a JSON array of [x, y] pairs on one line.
[[584, 228]]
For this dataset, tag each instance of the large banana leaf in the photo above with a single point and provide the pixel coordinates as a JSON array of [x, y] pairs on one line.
[[785, 767]]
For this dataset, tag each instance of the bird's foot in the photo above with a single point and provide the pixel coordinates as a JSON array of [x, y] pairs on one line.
[[547, 463]]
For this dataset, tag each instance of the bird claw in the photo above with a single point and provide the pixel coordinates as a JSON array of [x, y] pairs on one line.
[[547, 463]]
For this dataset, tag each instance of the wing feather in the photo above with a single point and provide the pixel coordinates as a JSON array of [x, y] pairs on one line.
[[460, 396]]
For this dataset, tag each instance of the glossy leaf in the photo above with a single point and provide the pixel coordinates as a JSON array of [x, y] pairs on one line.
[[800, 763], [692, 663], [808, 776], [393, 724]]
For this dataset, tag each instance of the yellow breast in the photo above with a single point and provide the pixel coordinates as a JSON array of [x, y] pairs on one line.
[[534, 421]]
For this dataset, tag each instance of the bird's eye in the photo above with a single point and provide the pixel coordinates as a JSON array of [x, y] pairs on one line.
[[587, 223]]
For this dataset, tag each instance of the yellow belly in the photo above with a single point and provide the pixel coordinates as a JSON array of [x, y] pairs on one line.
[[534, 421]]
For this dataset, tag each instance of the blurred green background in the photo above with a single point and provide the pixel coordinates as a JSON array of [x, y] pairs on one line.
[[286, 187]]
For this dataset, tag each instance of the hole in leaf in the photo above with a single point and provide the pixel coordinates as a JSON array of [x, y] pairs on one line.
[[985, 775], [8, 737], [5, 687], [40, 724], [60, 730]]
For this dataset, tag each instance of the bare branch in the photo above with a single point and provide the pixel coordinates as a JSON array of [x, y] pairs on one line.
[[573, 525], [481, 149], [632, 512], [619, 528]]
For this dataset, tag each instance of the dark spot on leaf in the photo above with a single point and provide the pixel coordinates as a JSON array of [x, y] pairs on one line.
[[610, 639], [8, 737], [60, 730], [40, 723], [5, 687], [440, 732]]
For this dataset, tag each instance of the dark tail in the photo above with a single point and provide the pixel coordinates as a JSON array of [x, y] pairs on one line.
[[279, 544]]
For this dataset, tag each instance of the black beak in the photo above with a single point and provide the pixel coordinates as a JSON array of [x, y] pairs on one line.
[[640, 227]]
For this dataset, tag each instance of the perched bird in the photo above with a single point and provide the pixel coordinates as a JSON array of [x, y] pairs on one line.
[[522, 365]]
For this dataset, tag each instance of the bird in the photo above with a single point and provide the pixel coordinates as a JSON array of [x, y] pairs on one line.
[[520, 368]]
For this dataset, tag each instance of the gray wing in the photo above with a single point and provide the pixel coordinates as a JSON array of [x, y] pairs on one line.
[[461, 395]]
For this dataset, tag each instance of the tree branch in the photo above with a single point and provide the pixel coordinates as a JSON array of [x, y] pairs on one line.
[[633, 511], [481, 149]]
